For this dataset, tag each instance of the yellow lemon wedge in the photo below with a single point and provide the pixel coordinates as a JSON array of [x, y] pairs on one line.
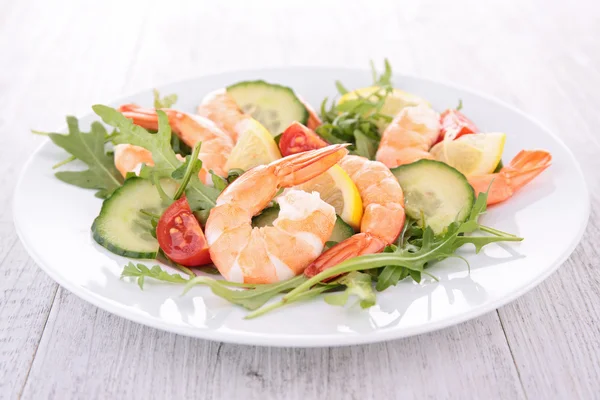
[[255, 146], [394, 102], [337, 189], [475, 154]]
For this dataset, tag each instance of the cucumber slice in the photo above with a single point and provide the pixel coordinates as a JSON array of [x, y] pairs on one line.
[[274, 106], [341, 230], [435, 191], [121, 228]]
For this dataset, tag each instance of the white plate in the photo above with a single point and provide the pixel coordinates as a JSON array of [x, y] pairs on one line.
[[53, 220]]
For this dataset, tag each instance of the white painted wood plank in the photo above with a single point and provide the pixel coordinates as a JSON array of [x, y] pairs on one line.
[[26, 295], [38, 86], [89, 353]]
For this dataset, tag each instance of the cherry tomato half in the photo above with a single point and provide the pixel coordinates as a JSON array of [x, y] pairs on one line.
[[298, 138], [456, 124], [180, 235]]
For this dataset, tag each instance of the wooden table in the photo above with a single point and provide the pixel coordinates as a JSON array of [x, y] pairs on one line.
[[58, 58]]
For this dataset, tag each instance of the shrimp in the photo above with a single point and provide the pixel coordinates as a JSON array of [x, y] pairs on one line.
[[522, 169], [383, 216], [415, 129], [222, 109], [216, 144], [129, 158], [272, 253], [409, 136]]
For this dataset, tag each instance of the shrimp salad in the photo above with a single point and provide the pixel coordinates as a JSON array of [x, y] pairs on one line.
[[269, 202]]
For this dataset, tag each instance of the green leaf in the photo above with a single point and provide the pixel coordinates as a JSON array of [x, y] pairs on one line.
[[357, 121], [200, 196], [89, 148], [165, 102], [460, 105], [179, 147], [159, 144], [365, 147], [140, 272], [218, 182], [251, 298], [192, 166], [357, 284], [341, 89], [390, 276], [385, 79]]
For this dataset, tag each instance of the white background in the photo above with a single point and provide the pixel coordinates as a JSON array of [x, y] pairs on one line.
[[57, 59]]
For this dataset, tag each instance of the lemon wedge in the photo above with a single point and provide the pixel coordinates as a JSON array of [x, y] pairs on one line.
[[255, 146], [394, 102], [475, 154], [337, 189]]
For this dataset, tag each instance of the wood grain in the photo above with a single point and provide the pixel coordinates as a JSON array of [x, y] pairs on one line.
[[60, 58], [140, 361]]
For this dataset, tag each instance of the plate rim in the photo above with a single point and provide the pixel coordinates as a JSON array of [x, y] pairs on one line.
[[301, 340]]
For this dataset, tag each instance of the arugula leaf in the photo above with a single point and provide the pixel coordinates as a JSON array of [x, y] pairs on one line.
[[358, 121], [89, 148], [159, 144], [200, 196], [357, 284], [385, 79], [340, 87], [412, 257], [460, 105], [218, 182], [251, 298], [165, 102], [141, 272], [365, 147], [190, 167], [390, 276]]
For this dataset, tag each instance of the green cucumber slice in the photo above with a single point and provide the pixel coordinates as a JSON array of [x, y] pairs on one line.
[[121, 228], [436, 192], [274, 106]]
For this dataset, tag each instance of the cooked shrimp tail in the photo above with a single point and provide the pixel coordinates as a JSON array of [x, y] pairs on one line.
[[354, 246], [191, 129], [301, 167], [130, 158], [383, 215], [522, 169], [144, 117]]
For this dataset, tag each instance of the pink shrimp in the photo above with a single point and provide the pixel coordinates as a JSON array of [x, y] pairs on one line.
[[130, 158], [383, 216], [272, 253], [522, 169], [191, 129], [409, 136], [223, 110]]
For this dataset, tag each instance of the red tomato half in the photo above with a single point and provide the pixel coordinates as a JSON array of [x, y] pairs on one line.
[[456, 124], [180, 235], [298, 138]]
